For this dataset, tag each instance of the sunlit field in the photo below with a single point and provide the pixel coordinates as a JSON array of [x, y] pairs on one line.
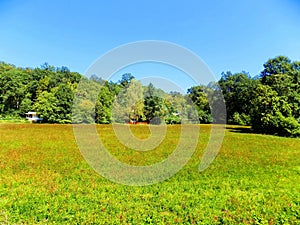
[[255, 179]]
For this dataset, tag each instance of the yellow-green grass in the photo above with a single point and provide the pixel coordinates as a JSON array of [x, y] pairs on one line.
[[13, 120], [44, 179]]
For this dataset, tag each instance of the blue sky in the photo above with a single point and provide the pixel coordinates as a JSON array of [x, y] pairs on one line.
[[227, 35]]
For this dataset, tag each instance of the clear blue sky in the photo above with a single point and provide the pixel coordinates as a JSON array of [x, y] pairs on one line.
[[227, 35]]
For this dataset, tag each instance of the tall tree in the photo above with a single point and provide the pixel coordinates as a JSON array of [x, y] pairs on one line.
[[177, 108], [129, 103], [103, 108], [13, 88], [283, 76], [155, 107], [64, 95], [277, 65], [126, 79], [46, 106], [199, 98], [272, 114], [237, 90]]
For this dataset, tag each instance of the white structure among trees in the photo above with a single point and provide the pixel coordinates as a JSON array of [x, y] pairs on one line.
[[33, 117]]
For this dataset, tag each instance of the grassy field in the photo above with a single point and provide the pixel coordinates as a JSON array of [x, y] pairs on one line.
[[44, 179]]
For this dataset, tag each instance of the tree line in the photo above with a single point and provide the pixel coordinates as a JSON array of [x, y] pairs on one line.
[[268, 102]]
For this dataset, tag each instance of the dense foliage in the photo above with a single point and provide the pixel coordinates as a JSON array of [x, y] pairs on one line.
[[270, 102], [47, 90]]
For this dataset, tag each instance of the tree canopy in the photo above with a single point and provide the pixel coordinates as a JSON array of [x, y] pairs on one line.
[[269, 103]]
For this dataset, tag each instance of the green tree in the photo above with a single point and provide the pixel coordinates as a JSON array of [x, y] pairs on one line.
[[46, 107], [25, 106], [283, 76], [277, 65], [83, 110], [237, 90], [103, 108], [155, 104], [126, 79], [199, 99], [177, 108], [65, 96], [271, 113], [13, 89], [294, 94], [129, 104], [155, 109]]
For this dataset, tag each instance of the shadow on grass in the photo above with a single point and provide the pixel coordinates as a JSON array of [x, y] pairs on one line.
[[240, 129]]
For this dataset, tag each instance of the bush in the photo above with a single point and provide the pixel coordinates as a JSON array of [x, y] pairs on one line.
[[172, 119], [288, 126], [240, 119]]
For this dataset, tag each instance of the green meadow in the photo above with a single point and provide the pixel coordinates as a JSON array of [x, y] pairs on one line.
[[255, 179]]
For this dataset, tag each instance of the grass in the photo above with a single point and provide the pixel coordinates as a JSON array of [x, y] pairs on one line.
[[11, 120], [44, 179]]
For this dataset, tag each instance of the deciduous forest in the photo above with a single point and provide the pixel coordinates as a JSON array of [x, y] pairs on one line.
[[268, 102]]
